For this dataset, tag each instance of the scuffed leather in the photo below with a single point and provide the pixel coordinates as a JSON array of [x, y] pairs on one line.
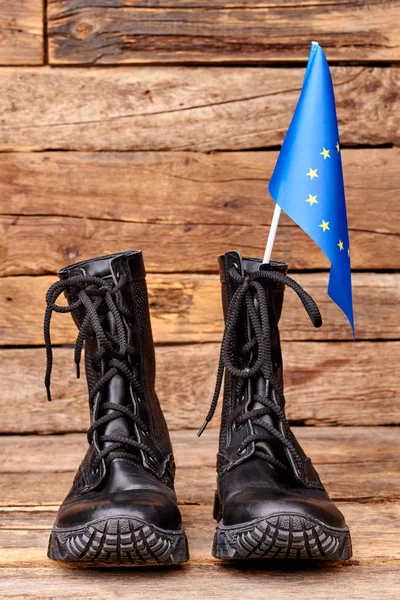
[[254, 490]]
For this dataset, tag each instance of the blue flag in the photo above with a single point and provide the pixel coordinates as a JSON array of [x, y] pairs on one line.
[[307, 182]]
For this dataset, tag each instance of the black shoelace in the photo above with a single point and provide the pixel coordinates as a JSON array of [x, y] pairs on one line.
[[96, 299], [259, 345]]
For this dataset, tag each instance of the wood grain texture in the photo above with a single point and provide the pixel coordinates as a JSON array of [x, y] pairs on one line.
[[185, 108], [221, 188], [187, 308], [21, 32], [176, 205], [93, 32], [41, 245], [195, 582], [353, 462], [364, 392]]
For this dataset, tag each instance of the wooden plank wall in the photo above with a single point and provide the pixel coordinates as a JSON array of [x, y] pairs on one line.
[[155, 124]]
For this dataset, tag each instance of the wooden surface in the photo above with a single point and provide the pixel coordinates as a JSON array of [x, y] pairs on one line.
[[42, 244], [94, 32], [184, 108], [187, 308], [201, 205], [21, 32], [220, 188], [310, 369], [171, 150], [360, 463]]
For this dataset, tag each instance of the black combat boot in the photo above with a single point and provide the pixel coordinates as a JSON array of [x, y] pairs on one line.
[[270, 502], [122, 507]]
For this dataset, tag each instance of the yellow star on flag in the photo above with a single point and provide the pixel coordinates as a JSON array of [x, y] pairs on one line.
[[337, 146], [312, 199], [340, 244], [324, 225], [312, 173], [325, 153]]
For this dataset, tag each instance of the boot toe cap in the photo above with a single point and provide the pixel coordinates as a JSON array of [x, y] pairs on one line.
[[145, 506], [246, 506]]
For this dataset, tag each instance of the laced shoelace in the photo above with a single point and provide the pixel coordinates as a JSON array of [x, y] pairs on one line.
[[96, 299], [250, 289]]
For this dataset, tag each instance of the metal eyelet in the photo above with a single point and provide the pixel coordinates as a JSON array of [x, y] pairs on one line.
[[236, 426], [240, 451]]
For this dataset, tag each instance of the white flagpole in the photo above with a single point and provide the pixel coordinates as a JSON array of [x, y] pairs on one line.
[[272, 234]]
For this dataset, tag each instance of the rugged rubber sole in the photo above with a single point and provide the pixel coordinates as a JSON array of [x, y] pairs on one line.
[[119, 541], [283, 536]]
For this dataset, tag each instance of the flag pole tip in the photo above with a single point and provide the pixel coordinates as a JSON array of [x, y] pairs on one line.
[[315, 43]]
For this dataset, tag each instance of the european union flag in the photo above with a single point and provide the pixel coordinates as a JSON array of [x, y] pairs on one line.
[[307, 182]]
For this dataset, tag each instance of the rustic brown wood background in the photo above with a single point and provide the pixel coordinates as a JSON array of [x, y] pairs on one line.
[[155, 124]]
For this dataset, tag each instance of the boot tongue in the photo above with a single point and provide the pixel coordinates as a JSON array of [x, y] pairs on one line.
[[117, 390], [272, 447], [260, 387]]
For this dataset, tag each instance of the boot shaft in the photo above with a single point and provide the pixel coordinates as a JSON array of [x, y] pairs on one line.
[[253, 414], [274, 290], [238, 393], [274, 293], [133, 308], [108, 299]]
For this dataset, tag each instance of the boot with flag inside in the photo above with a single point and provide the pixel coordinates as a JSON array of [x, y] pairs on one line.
[[270, 502]]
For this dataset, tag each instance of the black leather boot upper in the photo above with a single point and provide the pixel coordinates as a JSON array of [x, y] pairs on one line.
[[262, 469], [128, 470]]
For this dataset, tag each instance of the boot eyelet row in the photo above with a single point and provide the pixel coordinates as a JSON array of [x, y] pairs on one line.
[[242, 399]]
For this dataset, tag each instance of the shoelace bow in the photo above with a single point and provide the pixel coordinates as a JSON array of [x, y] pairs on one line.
[[96, 298], [250, 289]]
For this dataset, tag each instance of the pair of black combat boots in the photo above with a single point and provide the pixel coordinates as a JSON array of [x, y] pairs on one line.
[[122, 507]]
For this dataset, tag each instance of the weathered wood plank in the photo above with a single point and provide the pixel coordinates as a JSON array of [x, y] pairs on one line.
[[221, 188], [200, 205], [375, 528], [21, 32], [211, 582], [354, 463], [185, 108], [41, 245], [187, 308], [365, 386], [92, 32], [326, 446]]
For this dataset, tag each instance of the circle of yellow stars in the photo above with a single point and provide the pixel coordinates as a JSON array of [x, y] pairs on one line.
[[312, 173]]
